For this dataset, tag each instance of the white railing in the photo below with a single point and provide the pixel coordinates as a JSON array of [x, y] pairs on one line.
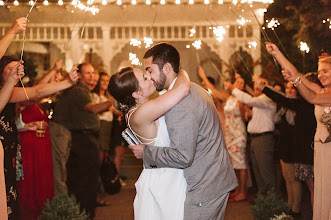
[[57, 32]]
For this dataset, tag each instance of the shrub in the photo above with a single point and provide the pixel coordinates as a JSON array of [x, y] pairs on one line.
[[268, 205], [63, 207]]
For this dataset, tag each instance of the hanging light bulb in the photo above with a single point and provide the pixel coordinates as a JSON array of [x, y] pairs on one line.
[[2, 3], [104, 2], [16, 2], [60, 2], [177, 2], [134, 2], [220, 2], [206, 2], [46, 2], [162, 2], [191, 2], [31, 2], [119, 2], [148, 2]]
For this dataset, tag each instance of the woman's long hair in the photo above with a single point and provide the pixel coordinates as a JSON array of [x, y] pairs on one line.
[[97, 87]]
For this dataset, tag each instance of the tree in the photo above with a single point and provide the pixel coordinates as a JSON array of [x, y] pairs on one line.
[[301, 20]]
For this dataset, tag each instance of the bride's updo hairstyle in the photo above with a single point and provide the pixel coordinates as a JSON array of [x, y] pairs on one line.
[[121, 86]]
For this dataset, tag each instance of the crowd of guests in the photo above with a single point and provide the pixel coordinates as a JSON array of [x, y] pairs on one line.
[[303, 131], [56, 133]]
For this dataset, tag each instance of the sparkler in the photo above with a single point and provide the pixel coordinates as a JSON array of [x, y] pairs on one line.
[[304, 47], [219, 32], [135, 42], [134, 60], [192, 32], [327, 20], [148, 41], [252, 44], [24, 38]]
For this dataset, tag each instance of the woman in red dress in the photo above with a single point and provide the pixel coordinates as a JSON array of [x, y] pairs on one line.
[[37, 185]]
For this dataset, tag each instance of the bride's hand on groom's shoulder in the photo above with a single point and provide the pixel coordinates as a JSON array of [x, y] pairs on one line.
[[137, 150]]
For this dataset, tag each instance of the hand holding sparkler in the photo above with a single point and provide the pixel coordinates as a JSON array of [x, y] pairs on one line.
[[19, 26], [289, 75], [272, 48], [16, 73], [73, 75]]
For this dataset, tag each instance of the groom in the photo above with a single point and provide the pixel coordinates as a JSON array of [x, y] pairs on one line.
[[197, 143]]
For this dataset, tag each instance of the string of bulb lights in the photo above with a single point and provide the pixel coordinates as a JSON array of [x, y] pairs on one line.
[[147, 2]]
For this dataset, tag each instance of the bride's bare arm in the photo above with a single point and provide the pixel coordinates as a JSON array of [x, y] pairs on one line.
[[155, 108]]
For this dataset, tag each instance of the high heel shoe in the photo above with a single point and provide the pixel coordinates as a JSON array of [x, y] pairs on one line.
[[240, 197], [233, 194]]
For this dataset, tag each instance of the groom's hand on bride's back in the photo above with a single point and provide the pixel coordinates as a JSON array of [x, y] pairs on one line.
[[137, 150]]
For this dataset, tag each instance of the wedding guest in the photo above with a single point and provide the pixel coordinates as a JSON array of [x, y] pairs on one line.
[[321, 97], [234, 133], [8, 130], [261, 128]]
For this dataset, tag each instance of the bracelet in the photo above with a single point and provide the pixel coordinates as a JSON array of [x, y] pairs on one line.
[[297, 82]]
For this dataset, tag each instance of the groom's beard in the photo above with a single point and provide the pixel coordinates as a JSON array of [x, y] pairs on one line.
[[160, 84]]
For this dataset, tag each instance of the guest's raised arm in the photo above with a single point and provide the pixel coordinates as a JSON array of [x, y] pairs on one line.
[[18, 26], [291, 73], [216, 93], [42, 90]]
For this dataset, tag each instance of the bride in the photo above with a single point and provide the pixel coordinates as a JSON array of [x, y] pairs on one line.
[[160, 193]]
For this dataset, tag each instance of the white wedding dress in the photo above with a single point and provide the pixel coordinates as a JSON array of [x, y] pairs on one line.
[[160, 192]]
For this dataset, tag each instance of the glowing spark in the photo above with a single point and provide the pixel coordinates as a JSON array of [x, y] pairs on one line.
[[192, 32], [197, 44], [148, 41], [135, 42], [273, 23], [252, 44], [304, 47], [74, 2], [242, 21], [188, 46], [134, 60], [219, 32], [83, 7], [327, 20], [90, 2]]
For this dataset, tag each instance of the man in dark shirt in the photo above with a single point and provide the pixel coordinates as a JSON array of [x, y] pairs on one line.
[[83, 162]]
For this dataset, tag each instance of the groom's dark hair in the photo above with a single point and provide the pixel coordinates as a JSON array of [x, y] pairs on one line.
[[163, 53]]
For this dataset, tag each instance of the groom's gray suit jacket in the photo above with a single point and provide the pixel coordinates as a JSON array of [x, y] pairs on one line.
[[197, 146]]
